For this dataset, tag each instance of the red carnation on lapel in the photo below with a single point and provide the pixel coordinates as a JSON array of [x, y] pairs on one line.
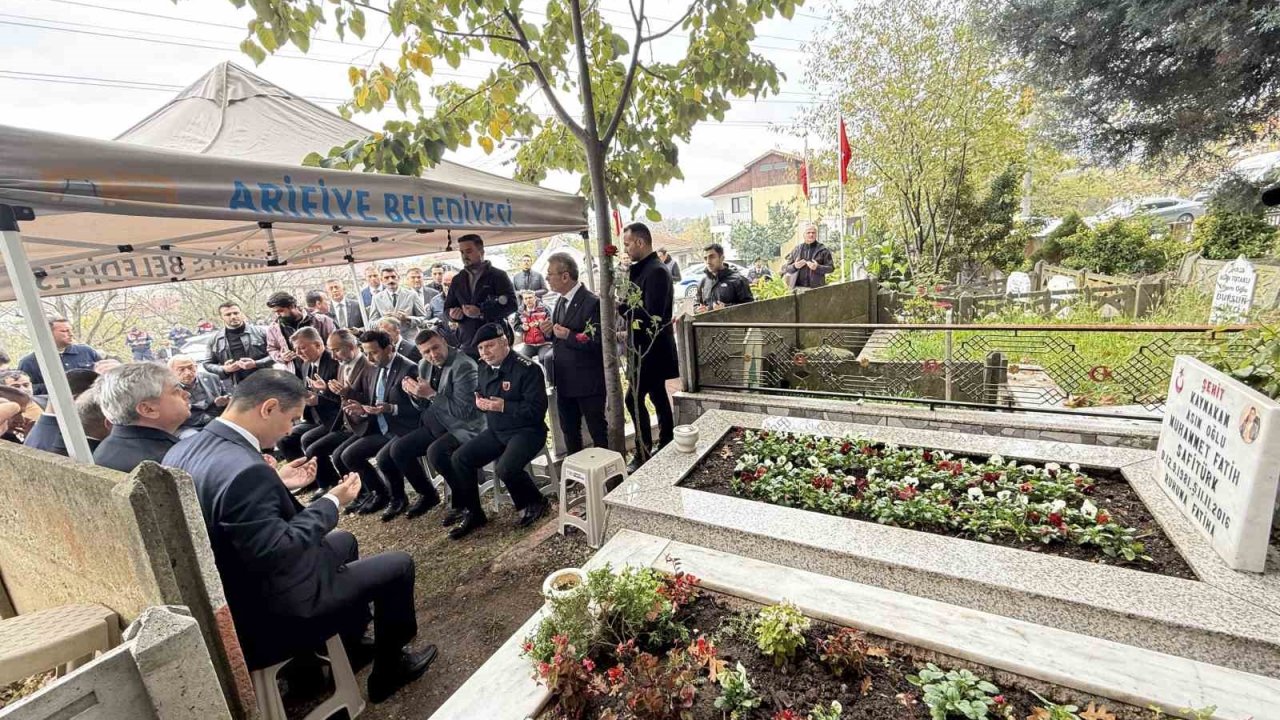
[[581, 337]]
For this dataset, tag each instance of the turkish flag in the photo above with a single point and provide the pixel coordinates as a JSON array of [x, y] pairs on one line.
[[846, 154], [804, 176], [617, 222]]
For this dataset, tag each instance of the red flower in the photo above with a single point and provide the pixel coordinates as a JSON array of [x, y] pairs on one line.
[[908, 492], [614, 673], [588, 665], [1033, 516], [1055, 518], [869, 451], [544, 669], [1103, 518], [1025, 488], [990, 477], [787, 714], [1088, 489], [822, 482], [928, 456], [999, 700], [527, 646], [845, 448], [760, 471], [582, 337], [610, 250]]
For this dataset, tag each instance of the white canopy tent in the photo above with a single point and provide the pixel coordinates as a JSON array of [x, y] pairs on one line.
[[96, 214]]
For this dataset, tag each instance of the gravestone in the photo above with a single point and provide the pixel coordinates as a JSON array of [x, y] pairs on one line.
[[1061, 283], [1218, 460], [1233, 293], [1018, 283]]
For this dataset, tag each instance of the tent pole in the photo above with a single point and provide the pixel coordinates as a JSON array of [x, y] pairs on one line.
[[355, 282], [28, 297], [591, 263]]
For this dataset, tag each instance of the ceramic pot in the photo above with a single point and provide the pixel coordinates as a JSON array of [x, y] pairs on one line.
[[686, 438]]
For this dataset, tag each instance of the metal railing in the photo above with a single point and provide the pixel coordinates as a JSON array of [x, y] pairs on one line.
[[1119, 371]]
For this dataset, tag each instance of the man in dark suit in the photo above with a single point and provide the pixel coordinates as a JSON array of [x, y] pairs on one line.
[[445, 391], [512, 394], [398, 341], [207, 396], [480, 294], [344, 310], [391, 413], [316, 367], [292, 580], [415, 281], [526, 278], [577, 355], [146, 405], [321, 442], [45, 433], [651, 341]]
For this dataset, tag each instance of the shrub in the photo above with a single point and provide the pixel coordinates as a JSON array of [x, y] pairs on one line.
[[638, 603], [1229, 236], [957, 693], [1127, 246], [826, 712], [569, 617], [779, 631], [1052, 250], [845, 651], [736, 694], [568, 676], [655, 688]]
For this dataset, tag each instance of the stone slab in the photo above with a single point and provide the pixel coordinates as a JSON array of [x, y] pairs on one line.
[[1112, 670], [1224, 619]]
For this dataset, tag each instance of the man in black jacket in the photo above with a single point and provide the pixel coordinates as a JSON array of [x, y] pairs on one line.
[[239, 350], [721, 285], [344, 310], [316, 367], [480, 294], [45, 434], [146, 405], [512, 394], [577, 355], [291, 580], [672, 266], [403, 347], [391, 413], [809, 263], [651, 345], [526, 278]]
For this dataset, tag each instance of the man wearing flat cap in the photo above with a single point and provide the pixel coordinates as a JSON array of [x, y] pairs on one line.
[[512, 394]]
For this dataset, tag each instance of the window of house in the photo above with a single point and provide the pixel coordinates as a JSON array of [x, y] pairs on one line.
[[818, 195], [741, 204]]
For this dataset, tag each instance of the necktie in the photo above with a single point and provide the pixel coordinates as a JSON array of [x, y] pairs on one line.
[[380, 396], [342, 314], [557, 317], [393, 300]]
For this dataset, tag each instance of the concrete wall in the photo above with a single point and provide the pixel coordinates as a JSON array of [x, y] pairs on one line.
[[72, 533], [1195, 270], [161, 672]]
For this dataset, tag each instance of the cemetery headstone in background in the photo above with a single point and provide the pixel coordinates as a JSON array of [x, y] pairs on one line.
[[1018, 283], [1219, 460], [1233, 294]]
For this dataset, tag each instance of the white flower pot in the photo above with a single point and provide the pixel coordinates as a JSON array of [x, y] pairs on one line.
[[564, 583], [686, 438]]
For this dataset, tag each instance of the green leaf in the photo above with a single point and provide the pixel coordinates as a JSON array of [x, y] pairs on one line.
[[313, 159], [301, 39], [266, 37], [250, 48], [356, 23], [653, 215]]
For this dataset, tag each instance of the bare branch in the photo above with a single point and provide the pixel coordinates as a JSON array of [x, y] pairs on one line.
[[656, 36], [541, 75], [486, 36], [591, 133], [655, 74], [624, 97], [367, 6]]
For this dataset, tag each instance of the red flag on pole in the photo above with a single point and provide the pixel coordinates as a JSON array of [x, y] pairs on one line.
[[804, 171], [617, 222], [846, 153]]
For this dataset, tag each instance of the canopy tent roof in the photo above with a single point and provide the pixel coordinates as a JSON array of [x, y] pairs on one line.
[[174, 199]]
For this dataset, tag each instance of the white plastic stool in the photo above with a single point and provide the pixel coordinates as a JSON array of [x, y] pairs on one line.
[[346, 692], [593, 468]]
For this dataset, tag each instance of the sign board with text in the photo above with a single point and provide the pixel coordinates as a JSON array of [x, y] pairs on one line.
[[1219, 460], [1233, 293]]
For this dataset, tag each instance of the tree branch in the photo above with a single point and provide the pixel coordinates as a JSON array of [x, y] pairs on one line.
[[488, 36], [541, 75], [367, 6], [624, 97], [656, 36], [655, 74]]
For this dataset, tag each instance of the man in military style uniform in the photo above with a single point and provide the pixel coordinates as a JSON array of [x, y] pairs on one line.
[[139, 342], [512, 394]]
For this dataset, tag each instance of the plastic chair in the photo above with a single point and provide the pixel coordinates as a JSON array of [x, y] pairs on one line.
[[592, 468], [63, 637], [346, 692]]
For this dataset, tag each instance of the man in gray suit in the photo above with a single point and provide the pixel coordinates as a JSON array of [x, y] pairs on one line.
[[403, 304], [445, 390]]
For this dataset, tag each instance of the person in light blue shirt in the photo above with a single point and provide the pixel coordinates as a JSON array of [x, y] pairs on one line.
[[74, 356]]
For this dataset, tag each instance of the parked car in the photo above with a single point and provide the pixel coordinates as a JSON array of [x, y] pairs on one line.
[[197, 346], [1168, 209], [687, 287]]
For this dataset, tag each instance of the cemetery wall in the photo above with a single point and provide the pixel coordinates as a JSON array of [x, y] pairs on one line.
[[1203, 274]]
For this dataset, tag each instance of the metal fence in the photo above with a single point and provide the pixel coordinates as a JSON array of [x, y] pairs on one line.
[[1113, 370]]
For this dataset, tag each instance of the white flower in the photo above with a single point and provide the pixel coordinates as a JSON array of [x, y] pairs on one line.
[[872, 471], [1023, 499], [1003, 495], [975, 493], [1058, 506], [1075, 467], [1088, 509], [1028, 468], [996, 460], [938, 486], [910, 480], [1052, 467]]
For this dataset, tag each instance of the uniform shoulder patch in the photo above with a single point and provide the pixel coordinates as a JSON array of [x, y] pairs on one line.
[[523, 360]]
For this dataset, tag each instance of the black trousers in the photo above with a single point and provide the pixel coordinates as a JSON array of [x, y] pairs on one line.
[[572, 411], [655, 389], [354, 454], [322, 445], [431, 440], [386, 581], [512, 456], [290, 446]]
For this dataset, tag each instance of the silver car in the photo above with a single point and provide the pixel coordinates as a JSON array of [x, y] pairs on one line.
[[1168, 209]]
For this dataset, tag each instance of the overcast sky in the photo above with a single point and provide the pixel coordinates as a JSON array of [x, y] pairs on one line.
[[95, 67]]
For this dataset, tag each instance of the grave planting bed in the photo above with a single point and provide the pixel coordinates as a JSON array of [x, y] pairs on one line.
[[1089, 514]]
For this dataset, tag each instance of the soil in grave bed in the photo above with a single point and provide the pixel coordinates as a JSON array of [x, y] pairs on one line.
[[882, 692], [714, 473]]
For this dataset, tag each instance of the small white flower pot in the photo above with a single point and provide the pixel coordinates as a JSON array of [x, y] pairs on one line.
[[686, 438], [564, 583]]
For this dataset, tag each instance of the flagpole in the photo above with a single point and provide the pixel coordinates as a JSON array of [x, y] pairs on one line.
[[840, 176], [808, 205]]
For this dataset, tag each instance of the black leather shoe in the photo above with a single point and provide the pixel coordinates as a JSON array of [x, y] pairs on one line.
[[635, 464], [388, 676], [530, 515], [395, 508], [421, 506], [319, 493], [470, 521], [378, 502], [357, 504], [453, 517]]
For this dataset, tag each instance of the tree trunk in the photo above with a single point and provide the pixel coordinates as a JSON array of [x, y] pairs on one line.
[[608, 304]]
